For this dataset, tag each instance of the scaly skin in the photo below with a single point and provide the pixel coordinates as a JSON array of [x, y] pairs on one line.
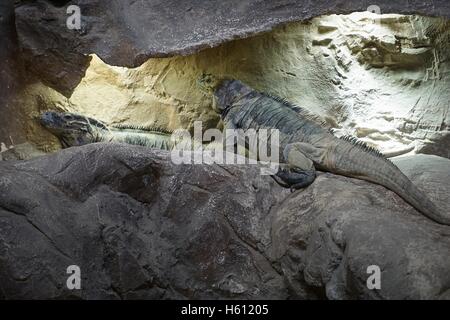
[[77, 130], [305, 145]]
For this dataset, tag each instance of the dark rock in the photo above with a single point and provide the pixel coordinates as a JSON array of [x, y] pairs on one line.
[[141, 227], [49, 49], [328, 235], [137, 225], [10, 76], [24, 151], [127, 33]]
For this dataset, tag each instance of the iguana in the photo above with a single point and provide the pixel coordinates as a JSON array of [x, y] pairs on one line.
[[76, 130], [306, 145]]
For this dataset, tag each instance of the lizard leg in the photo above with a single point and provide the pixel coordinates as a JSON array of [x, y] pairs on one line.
[[299, 172], [301, 155], [294, 178]]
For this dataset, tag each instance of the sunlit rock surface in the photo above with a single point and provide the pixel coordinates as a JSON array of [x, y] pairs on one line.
[[139, 226], [392, 80]]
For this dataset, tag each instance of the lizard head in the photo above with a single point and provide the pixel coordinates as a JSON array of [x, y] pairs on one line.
[[206, 83], [72, 129], [228, 93]]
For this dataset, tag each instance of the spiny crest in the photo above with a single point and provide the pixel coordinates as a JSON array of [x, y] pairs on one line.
[[332, 131], [301, 111], [152, 141], [96, 123], [362, 145], [155, 129], [79, 118]]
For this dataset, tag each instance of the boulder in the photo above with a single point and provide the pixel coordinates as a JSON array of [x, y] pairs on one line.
[[330, 235], [24, 151], [128, 33], [139, 226]]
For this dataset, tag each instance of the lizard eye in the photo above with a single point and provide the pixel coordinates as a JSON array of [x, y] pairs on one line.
[[68, 117]]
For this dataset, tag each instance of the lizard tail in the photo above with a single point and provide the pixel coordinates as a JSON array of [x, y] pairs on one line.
[[377, 169], [417, 198]]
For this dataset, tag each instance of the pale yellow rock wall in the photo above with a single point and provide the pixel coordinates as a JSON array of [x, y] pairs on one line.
[[384, 80]]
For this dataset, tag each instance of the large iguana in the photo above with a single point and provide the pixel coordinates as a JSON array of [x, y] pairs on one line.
[[306, 145]]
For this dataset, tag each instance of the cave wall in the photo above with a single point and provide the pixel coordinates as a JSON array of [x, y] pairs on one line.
[[383, 79], [128, 33]]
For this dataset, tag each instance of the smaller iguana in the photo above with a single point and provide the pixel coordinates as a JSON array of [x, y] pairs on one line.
[[77, 130]]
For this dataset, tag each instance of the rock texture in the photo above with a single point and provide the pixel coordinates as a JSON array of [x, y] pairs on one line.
[[391, 80], [140, 227], [127, 33], [10, 76], [384, 79], [24, 151], [9, 47]]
